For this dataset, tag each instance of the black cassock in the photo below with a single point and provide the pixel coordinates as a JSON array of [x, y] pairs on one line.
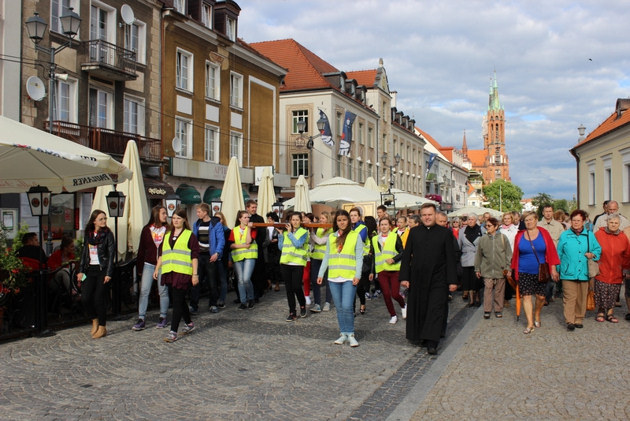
[[428, 263]]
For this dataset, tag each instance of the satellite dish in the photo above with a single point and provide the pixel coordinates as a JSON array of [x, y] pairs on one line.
[[35, 88], [177, 144], [127, 14]]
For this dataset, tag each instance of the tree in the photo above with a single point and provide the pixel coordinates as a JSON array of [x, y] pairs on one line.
[[541, 200], [504, 196]]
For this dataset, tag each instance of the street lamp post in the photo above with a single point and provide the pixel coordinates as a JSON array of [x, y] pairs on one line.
[[36, 27], [116, 208], [389, 197], [301, 126], [39, 202], [172, 203]]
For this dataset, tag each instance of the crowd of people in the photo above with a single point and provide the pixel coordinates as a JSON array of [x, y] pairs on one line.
[[414, 261]]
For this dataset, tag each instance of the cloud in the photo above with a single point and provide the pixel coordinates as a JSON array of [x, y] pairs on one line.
[[440, 57]]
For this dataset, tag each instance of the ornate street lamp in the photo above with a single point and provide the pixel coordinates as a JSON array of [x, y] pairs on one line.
[[278, 208], [172, 203], [216, 205]]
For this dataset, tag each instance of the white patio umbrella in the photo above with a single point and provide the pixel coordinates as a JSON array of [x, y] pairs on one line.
[[476, 210], [371, 184], [136, 213], [31, 157], [266, 193], [406, 200], [232, 193], [339, 190], [302, 201]]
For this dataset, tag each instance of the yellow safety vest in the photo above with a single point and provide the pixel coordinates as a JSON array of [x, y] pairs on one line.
[[291, 254], [403, 236], [319, 250], [178, 259], [342, 264], [366, 244], [243, 253], [388, 252]]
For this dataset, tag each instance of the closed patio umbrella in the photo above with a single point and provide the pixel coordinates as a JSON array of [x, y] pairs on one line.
[[266, 194], [232, 194], [302, 201]]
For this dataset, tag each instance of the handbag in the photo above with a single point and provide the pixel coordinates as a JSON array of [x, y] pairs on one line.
[[543, 268], [590, 300], [593, 266]]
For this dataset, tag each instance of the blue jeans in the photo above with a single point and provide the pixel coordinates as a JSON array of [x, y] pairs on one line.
[[317, 294], [343, 295], [244, 270], [145, 289]]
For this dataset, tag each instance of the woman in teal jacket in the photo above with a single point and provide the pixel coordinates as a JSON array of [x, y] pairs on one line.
[[575, 247]]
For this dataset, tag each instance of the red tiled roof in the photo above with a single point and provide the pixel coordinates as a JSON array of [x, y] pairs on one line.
[[363, 77], [610, 124], [477, 157], [305, 67], [429, 138]]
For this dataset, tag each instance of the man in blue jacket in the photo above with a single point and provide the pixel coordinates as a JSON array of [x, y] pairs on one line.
[[209, 233]]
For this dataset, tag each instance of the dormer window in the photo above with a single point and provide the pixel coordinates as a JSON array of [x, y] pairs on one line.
[[230, 29], [206, 15]]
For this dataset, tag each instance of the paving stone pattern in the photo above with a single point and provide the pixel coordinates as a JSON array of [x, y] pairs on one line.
[[237, 364]]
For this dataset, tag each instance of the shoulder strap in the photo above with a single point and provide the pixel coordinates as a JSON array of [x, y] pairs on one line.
[[532, 244]]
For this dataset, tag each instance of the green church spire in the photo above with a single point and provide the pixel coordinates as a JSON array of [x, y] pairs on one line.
[[493, 101]]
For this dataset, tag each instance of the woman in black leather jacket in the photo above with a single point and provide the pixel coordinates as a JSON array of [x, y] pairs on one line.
[[96, 270]]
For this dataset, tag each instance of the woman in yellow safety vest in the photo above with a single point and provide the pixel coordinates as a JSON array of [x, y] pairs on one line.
[[388, 249], [343, 259], [178, 261], [244, 255], [293, 245], [319, 240]]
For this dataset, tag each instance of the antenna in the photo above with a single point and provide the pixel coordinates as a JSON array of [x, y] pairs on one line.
[[35, 88]]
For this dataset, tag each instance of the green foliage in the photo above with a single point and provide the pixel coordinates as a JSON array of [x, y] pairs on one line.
[[503, 195], [13, 273], [543, 199]]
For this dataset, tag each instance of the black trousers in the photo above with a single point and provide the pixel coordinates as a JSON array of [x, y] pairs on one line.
[[94, 294], [180, 308], [208, 274], [292, 276]]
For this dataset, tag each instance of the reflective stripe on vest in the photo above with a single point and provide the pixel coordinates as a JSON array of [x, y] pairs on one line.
[[178, 259], [342, 264], [291, 254], [388, 252], [319, 250], [366, 244], [243, 253]]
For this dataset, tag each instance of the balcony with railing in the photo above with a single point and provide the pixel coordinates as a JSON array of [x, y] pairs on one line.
[[109, 61], [108, 141]]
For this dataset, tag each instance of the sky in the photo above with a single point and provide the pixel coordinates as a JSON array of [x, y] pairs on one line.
[[559, 64]]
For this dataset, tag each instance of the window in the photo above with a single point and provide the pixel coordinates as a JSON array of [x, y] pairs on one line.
[[370, 138], [350, 170], [133, 115], [211, 144], [66, 101], [607, 183], [184, 70], [102, 27], [183, 131], [213, 81], [135, 35], [339, 125], [591, 188], [360, 134], [625, 182], [384, 111], [360, 170], [236, 90], [297, 116], [300, 165], [180, 6], [230, 29], [236, 146], [60, 8], [206, 15], [100, 108], [369, 173]]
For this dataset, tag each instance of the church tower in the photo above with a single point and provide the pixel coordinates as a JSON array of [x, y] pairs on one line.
[[496, 163]]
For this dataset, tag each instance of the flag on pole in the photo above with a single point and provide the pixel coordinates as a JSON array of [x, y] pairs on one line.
[[326, 134], [432, 157], [346, 136]]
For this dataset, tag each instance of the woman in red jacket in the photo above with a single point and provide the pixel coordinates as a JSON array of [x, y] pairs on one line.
[[615, 259]]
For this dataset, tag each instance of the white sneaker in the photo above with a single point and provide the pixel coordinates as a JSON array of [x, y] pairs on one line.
[[342, 339], [326, 307], [404, 312], [393, 320], [308, 300], [352, 341]]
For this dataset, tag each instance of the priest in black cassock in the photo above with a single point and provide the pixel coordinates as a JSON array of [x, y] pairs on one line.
[[428, 270]]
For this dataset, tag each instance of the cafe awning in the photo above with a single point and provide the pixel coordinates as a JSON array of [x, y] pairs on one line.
[[188, 194], [157, 189], [212, 193]]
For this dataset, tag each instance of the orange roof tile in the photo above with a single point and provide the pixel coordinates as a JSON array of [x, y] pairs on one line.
[[363, 77], [428, 137], [305, 67], [477, 157], [610, 124]]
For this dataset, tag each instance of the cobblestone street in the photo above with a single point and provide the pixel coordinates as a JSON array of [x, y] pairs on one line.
[[252, 364]]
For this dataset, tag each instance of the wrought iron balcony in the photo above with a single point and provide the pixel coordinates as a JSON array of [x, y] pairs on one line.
[[109, 61], [108, 141]]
